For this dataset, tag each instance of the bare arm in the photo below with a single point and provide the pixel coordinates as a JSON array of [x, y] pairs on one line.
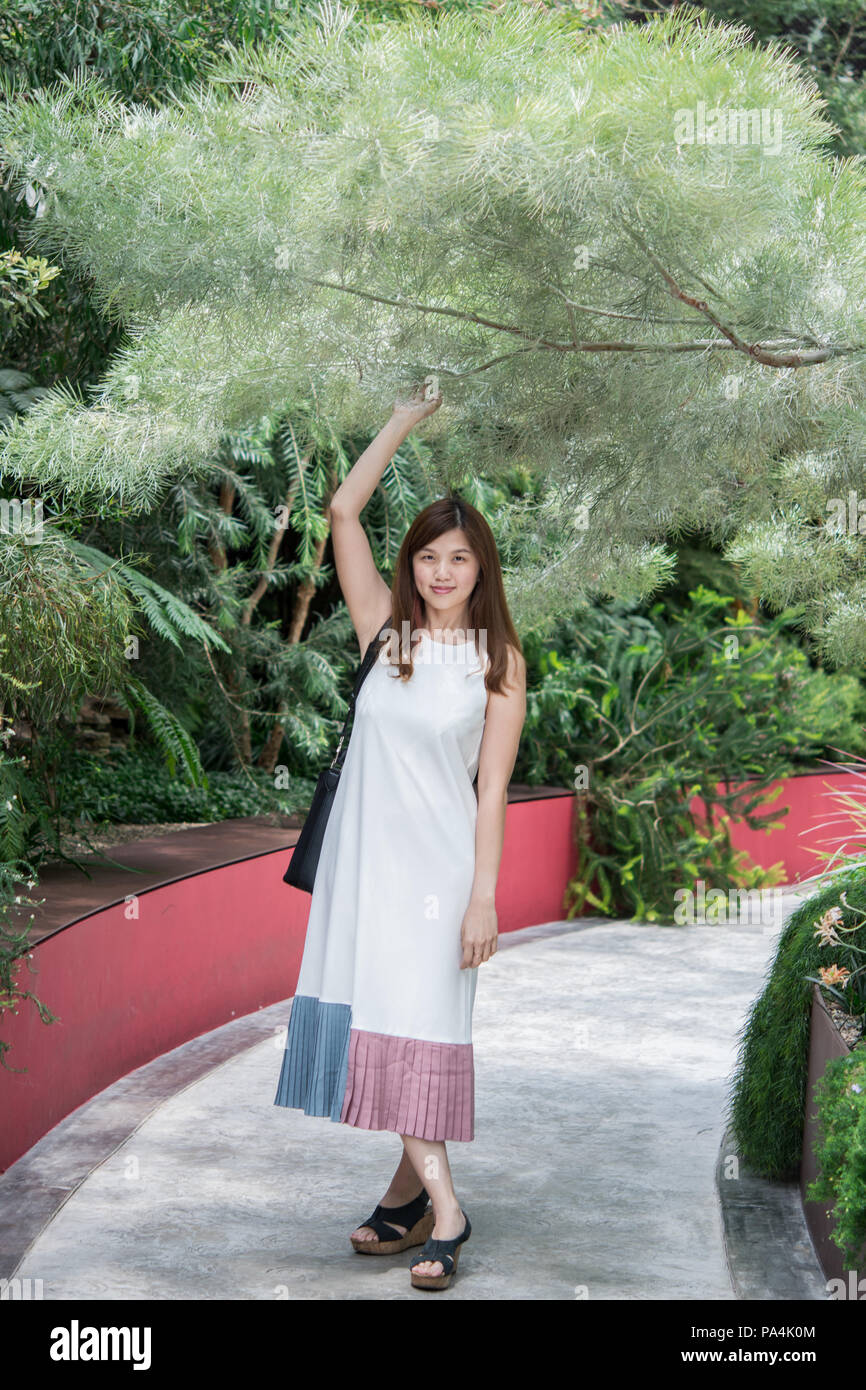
[[506, 713], [367, 596]]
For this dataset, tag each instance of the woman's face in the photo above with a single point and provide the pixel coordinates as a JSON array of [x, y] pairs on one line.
[[445, 572]]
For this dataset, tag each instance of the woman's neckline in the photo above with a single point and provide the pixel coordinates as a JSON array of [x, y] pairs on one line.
[[425, 633]]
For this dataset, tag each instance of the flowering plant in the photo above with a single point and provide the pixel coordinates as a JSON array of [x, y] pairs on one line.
[[845, 975]]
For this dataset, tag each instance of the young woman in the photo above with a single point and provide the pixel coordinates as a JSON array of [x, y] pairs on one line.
[[402, 911]]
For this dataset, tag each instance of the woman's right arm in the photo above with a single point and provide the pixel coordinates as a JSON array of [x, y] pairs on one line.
[[367, 596]]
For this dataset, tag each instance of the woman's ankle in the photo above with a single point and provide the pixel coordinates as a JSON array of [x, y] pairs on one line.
[[395, 1197], [447, 1208]]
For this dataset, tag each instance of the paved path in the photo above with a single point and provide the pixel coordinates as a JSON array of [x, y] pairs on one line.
[[603, 1055]]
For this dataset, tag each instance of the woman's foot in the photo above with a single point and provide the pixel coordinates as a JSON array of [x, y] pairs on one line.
[[393, 1198], [447, 1226]]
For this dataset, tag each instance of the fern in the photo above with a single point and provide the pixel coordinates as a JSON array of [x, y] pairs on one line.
[[167, 614], [172, 737]]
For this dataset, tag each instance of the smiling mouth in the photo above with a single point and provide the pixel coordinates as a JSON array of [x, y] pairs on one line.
[[442, 589]]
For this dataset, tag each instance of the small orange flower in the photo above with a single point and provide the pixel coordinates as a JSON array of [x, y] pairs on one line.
[[825, 929], [834, 974]]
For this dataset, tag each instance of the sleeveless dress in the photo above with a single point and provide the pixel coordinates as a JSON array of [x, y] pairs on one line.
[[380, 1032]]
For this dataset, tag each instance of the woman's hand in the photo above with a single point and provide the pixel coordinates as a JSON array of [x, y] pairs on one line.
[[417, 407], [479, 934]]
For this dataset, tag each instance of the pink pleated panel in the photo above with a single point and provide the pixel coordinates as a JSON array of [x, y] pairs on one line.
[[410, 1085]]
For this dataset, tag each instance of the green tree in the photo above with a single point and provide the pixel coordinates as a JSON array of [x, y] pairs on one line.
[[829, 37], [411, 197]]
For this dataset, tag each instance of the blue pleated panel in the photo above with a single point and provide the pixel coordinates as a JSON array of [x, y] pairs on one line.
[[316, 1057], [343, 1071]]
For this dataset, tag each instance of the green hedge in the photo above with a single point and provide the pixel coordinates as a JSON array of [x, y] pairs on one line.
[[767, 1097]]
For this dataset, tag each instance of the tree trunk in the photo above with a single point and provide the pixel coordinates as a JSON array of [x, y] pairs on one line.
[[270, 752]]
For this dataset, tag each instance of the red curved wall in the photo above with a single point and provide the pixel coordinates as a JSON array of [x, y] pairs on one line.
[[201, 951], [814, 822], [218, 944]]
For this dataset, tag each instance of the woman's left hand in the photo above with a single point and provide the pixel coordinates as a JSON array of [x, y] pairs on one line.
[[479, 934], [418, 406]]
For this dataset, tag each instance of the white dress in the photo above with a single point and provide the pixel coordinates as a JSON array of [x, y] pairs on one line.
[[380, 1032]]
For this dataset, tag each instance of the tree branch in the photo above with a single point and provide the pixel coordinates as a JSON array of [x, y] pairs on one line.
[[759, 352]]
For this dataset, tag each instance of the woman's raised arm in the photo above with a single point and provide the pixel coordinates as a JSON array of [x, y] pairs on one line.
[[367, 596]]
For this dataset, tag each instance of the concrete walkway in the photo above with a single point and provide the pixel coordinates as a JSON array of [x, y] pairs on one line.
[[603, 1057]]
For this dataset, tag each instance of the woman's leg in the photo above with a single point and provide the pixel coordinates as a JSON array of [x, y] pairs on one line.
[[404, 1186], [430, 1161]]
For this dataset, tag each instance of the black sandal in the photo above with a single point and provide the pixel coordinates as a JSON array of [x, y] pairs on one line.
[[413, 1215], [447, 1252]]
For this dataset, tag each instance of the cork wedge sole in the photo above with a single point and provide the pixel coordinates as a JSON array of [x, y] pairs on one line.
[[411, 1215], [416, 1235], [447, 1252], [435, 1281]]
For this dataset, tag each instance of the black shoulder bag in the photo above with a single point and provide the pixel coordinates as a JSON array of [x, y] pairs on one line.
[[301, 872]]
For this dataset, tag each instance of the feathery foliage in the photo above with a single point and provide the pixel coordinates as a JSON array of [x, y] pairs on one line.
[[65, 630], [670, 332]]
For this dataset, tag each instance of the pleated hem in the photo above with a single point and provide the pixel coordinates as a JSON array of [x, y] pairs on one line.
[[410, 1085], [375, 1081], [315, 1060]]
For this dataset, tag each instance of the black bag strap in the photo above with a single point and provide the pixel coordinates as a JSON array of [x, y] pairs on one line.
[[366, 666]]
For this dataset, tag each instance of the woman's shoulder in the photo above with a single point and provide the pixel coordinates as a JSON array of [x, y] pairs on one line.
[[516, 662], [515, 669]]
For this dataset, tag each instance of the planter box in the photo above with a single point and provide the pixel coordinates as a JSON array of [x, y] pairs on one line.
[[825, 1043]]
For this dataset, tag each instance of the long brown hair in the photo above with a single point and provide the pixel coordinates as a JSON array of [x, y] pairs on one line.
[[488, 607]]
